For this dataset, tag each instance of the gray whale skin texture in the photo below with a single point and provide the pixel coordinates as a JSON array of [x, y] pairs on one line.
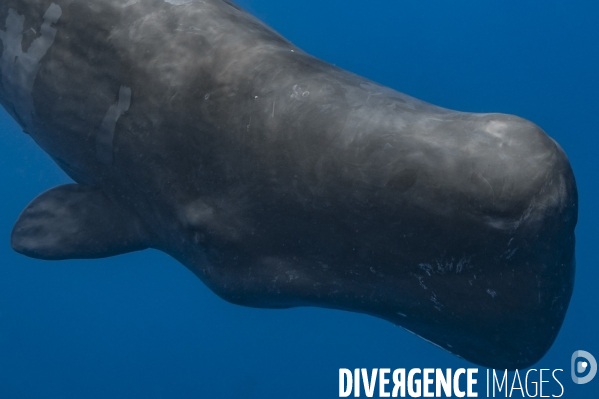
[[280, 180]]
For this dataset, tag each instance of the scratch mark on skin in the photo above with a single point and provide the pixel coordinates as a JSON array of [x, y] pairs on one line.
[[460, 265], [20, 69], [129, 3], [438, 305], [273, 108], [489, 184], [511, 253], [178, 2], [372, 94], [502, 187], [428, 269], [105, 135]]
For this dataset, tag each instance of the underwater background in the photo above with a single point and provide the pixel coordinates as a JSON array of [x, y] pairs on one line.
[[142, 326]]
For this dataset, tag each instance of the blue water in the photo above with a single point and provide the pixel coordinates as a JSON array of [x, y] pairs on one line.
[[142, 326]]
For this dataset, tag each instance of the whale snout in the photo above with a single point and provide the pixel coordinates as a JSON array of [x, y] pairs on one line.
[[533, 205], [515, 171]]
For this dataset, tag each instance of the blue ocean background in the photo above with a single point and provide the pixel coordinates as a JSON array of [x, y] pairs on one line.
[[142, 326]]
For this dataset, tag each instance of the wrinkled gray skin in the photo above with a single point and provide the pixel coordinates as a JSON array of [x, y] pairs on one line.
[[281, 180]]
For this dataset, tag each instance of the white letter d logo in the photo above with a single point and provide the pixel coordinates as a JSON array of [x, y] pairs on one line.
[[582, 365]]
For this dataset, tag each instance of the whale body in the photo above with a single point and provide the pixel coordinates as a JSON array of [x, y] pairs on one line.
[[280, 180]]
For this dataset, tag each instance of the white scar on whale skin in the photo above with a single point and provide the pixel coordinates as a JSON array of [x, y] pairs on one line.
[[105, 135], [20, 69], [178, 2], [129, 3], [173, 2]]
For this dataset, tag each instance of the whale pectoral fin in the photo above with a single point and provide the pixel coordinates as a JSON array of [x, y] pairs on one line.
[[76, 222]]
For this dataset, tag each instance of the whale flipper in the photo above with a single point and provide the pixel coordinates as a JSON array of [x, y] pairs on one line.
[[76, 222]]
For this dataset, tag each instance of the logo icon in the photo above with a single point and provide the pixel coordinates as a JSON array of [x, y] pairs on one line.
[[583, 360]]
